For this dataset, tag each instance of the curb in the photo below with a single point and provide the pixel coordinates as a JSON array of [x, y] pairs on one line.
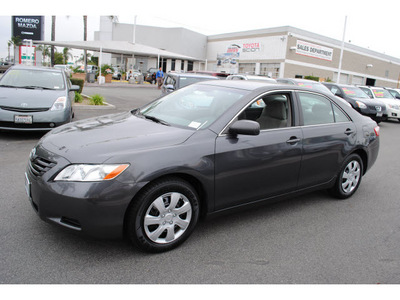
[[106, 106]]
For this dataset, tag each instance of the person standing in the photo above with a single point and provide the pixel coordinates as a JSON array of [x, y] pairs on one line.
[[159, 78]]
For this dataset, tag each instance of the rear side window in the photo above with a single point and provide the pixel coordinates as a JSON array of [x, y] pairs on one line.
[[317, 109]]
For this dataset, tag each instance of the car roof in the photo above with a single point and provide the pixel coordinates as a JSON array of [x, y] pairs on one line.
[[252, 85], [340, 84], [23, 67], [192, 75], [299, 80]]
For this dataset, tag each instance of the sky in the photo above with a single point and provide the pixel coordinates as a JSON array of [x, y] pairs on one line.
[[370, 24]]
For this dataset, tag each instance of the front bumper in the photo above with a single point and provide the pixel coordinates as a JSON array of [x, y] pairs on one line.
[[93, 208], [41, 121]]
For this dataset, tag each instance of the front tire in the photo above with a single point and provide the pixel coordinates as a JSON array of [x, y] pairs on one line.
[[349, 177], [163, 216]]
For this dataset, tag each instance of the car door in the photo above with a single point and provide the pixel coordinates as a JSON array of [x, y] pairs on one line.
[[328, 137], [250, 168]]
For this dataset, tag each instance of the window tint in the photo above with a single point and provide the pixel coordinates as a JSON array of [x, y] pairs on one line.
[[319, 110], [34, 78], [270, 111], [368, 92], [339, 115]]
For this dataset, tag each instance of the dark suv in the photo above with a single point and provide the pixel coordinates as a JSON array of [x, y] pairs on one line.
[[174, 81], [359, 100]]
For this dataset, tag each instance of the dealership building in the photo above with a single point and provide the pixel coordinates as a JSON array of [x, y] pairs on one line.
[[276, 52]]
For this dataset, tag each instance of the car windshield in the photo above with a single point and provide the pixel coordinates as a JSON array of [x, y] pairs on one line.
[[314, 85], [30, 78], [354, 92], [185, 81], [381, 93], [195, 106]]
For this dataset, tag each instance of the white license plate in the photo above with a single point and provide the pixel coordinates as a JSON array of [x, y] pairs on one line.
[[23, 119], [27, 186], [379, 114]]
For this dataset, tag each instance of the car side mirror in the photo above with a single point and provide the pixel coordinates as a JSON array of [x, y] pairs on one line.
[[74, 88], [245, 127]]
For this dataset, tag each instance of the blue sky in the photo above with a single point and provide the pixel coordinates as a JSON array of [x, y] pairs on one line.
[[370, 24]]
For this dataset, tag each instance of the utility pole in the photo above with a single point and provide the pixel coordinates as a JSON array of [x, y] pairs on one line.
[[341, 51], [85, 39]]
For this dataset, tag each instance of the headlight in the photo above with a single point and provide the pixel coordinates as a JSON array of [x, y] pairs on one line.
[[59, 104], [90, 172], [361, 104], [393, 106]]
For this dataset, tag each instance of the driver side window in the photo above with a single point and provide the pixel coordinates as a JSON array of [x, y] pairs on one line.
[[270, 111]]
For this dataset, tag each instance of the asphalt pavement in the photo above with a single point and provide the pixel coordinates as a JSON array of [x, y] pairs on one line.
[[313, 239]]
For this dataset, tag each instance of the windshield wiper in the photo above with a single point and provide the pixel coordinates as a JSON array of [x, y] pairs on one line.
[[157, 120], [8, 86], [34, 87]]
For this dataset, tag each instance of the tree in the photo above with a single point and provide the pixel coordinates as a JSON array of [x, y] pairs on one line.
[[53, 37], [85, 39], [9, 46], [16, 42], [45, 51], [58, 58], [66, 54]]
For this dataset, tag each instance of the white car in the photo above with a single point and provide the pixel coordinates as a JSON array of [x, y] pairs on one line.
[[65, 68], [250, 77], [392, 104]]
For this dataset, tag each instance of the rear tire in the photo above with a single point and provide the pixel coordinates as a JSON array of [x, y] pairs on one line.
[[349, 178], [163, 216]]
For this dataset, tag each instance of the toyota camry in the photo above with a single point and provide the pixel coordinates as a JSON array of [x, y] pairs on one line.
[[150, 173]]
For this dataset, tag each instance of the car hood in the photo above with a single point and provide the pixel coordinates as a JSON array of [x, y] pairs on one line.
[[29, 98], [110, 137], [368, 101]]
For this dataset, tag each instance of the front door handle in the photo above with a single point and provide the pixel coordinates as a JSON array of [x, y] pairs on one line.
[[293, 140]]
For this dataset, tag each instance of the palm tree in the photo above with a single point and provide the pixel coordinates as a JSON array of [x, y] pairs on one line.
[[16, 42], [53, 37], [45, 52], [9, 46], [85, 39], [67, 54]]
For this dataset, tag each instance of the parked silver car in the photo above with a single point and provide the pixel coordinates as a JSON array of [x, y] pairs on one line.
[[34, 98], [251, 77]]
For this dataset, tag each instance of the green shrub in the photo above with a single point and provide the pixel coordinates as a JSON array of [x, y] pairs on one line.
[[312, 78], [97, 100], [106, 69], [80, 82], [78, 97], [78, 70]]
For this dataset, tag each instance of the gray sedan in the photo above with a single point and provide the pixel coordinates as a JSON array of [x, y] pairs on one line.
[[205, 149], [33, 98]]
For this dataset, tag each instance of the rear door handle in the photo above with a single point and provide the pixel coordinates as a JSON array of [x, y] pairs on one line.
[[293, 140], [348, 131]]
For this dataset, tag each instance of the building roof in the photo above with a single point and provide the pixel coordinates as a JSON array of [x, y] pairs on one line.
[[299, 32], [118, 47]]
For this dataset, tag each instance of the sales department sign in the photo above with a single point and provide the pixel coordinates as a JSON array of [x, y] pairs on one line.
[[313, 50], [28, 27]]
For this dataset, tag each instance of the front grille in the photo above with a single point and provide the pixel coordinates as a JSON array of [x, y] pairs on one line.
[[25, 109], [38, 166], [27, 126]]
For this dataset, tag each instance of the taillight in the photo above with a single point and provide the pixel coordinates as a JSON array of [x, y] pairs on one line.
[[376, 129]]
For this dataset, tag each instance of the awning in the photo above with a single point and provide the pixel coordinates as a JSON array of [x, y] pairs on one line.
[[118, 47]]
